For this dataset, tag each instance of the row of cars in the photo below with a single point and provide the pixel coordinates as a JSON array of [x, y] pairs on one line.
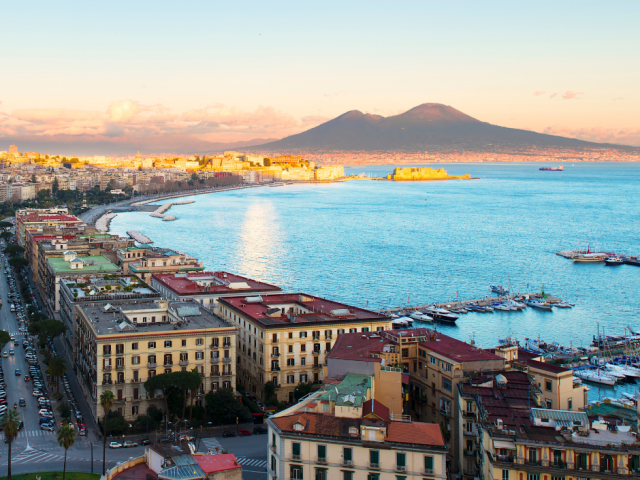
[[3, 401], [73, 403], [244, 433]]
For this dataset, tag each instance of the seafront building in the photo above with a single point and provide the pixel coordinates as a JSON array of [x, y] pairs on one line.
[[206, 287], [120, 346], [34, 220], [344, 432], [147, 261], [285, 338]]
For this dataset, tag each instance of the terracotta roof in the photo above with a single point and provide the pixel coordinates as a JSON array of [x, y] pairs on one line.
[[223, 283], [457, 350], [374, 407], [217, 463], [547, 367], [415, 433], [358, 346]]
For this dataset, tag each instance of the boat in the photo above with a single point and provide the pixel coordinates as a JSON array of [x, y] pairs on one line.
[[499, 289], [626, 370], [635, 261], [552, 169], [441, 315], [595, 376], [590, 258], [502, 307], [613, 261], [563, 305], [538, 304], [515, 305], [421, 317], [401, 322]]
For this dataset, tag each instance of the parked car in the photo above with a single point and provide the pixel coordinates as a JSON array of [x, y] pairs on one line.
[[259, 430], [48, 427], [115, 445], [228, 434], [146, 441], [244, 433], [129, 443], [22, 402]]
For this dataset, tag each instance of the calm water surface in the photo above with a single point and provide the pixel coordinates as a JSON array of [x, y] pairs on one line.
[[380, 244]]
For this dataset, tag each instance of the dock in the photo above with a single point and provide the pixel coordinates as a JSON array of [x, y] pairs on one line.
[[480, 302], [138, 237]]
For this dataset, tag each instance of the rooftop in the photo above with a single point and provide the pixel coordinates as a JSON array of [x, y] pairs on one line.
[[90, 264], [211, 282], [359, 346], [135, 317], [36, 217], [297, 308], [217, 463], [112, 286]]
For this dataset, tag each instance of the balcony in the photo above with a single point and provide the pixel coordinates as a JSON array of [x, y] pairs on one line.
[[275, 368], [275, 354], [168, 365], [316, 352], [560, 468], [445, 412], [226, 360], [214, 345], [469, 453], [227, 373], [226, 344], [215, 374], [295, 458], [427, 471], [215, 360], [467, 414], [119, 367], [152, 365], [347, 463], [316, 366], [374, 465], [107, 382], [119, 382], [107, 367], [120, 400], [322, 460], [400, 468], [327, 352], [184, 363]]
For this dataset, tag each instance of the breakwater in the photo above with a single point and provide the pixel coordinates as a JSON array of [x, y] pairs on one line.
[[102, 224], [159, 212]]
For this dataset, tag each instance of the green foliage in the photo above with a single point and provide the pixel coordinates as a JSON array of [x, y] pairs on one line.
[[269, 390], [4, 338], [65, 410], [55, 186], [13, 250], [303, 388], [6, 224], [5, 235], [47, 329], [251, 405], [18, 262], [223, 406]]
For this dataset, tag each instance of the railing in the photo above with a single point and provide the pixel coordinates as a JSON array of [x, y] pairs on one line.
[[322, 460], [184, 362], [107, 367], [374, 465], [226, 344], [152, 364], [316, 352], [226, 359], [316, 365], [275, 369], [390, 369], [215, 360], [295, 458], [119, 367], [273, 447], [275, 354], [427, 471], [467, 414], [170, 364], [107, 382], [119, 382], [347, 463], [327, 352], [469, 453], [215, 374], [401, 468]]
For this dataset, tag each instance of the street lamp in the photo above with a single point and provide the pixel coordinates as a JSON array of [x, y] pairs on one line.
[[91, 457]]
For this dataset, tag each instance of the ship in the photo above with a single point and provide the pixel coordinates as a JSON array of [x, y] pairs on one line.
[[552, 169]]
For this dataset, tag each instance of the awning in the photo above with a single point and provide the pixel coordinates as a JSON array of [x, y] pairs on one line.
[[504, 444]]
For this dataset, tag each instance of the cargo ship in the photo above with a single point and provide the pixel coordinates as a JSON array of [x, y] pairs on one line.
[[553, 169]]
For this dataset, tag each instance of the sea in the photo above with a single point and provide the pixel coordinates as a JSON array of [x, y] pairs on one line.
[[381, 244]]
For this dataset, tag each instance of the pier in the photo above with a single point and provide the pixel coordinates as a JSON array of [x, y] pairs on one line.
[[483, 302], [159, 212], [138, 237]]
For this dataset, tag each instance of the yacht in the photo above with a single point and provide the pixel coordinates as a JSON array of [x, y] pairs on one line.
[[590, 258], [421, 317], [613, 261], [539, 304], [441, 315], [502, 306], [596, 376]]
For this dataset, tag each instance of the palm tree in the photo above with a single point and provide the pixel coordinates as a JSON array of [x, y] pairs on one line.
[[57, 368], [10, 424], [66, 439], [106, 400]]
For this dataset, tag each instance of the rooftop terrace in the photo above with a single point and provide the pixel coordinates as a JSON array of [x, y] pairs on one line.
[[211, 282]]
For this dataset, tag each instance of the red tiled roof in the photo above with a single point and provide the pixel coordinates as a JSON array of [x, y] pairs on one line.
[[374, 407], [217, 463], [456, 350], [415, 433], [319, 310], [358, 346], [34, 217], [187, 285], [547, 367]]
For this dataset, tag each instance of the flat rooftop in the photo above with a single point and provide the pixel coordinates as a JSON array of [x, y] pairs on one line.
[[219, 283], [91, 264], [35, 217], [122, 285], [118, 319], [290, 309], [359, 347]]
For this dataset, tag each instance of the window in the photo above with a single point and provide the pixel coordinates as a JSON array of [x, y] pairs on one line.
[[303, 348], [303, 334], [144, 319], [428, 465], [275, 340], [469, 427], [322, 453], [106, 349], [374, 459], [296, 472], [134, 410], [353, 330], [469, 407], [547, 385], [199, 341], [290, 334], [446, 366], [446, 384], [290, 348], [570, 404], [373, 476], [135, 360], [291, 379], [199, 355], [557, 458], [291, 362], [273, 464], [134, 346], [433, 361], [533, 476], [582, 462], [401, 460], [321, 474], [295, 450], [153, 319], [167, 344], [533, 455], [184, 342], [152, 345], [347, 475], [340, 331], [505, 474], [303, 361], [347, 453]]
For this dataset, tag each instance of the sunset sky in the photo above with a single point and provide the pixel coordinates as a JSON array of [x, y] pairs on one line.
[[91, 72]]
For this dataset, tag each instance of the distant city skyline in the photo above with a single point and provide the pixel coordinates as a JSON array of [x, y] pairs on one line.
[[132, 75]]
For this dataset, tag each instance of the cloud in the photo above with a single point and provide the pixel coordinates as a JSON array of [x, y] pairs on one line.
[[553, 95], [621, 136], [571, 95], [231, 117], [537, 93], [618, 99]]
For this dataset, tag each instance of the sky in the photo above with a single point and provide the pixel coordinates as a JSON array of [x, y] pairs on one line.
[[186, 73]]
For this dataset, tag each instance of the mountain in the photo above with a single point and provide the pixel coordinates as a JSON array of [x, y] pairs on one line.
[[427, 127]]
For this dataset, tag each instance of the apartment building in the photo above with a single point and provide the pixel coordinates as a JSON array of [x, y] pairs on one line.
[[206, 287], [285, 338], [96, 290], [342, 432], [556, 385], [36, 220], [147, 261], [72, 266], [514, 439], [121, 345]]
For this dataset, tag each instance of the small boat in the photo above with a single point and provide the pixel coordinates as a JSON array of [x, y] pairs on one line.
[[589, 258], [563, 305], [538, 304], [499, 289], [613, 261], [552, 169], [441, 315], [401, 322], [421, 317], [502, 307]]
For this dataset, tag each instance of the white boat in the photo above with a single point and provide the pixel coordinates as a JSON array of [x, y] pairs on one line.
[[502, 307], [590, 258], [595, 376], [421, 317], [517, 305], [614, 372], [400, 322], [539, 304], [627, 370], [563, 305]]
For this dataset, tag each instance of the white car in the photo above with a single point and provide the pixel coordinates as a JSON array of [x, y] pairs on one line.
[[115, 445], [45, 412], [37, 393]]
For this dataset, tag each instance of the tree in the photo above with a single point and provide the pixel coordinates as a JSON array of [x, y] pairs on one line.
[[13, 250], [163, 382], [106, 401], [57, 368], [111, 185], [186, 382], [5, 235], [55, 186], [6, 224], [43, 194], [47, 330], [269, 390], [194, 391], [303, 388], [66, 439], [4, 338], [10, 424], [18, 262], [222, 405], [33, 178]]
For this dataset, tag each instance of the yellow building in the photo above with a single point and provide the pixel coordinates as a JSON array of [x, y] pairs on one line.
[[144, 262], [119, 346], [343, 433], [284, 338]]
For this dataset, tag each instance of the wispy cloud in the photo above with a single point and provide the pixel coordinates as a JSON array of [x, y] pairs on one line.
[[571, 95], [621, 136], [617, 99], [537, 93], [553, 95]]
